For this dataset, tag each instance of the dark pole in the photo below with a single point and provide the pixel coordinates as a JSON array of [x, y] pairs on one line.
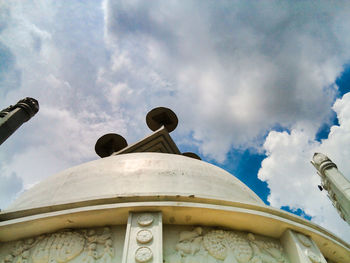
[[14, 116]]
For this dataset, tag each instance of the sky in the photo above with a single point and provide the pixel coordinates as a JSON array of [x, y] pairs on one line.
[[258, 87]]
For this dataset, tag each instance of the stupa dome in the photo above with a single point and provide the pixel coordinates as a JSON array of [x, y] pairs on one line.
[[153, 175], [149, 202]]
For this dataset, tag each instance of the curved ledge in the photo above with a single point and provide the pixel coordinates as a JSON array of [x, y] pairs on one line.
[[272, 222]]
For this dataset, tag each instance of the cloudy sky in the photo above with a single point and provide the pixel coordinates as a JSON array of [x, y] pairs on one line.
[[258, 87]]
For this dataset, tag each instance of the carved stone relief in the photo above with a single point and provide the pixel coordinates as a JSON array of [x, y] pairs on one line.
[[304, 240], [310, 249], [144, 236], [215, 246], [143, 254], [143, 239], [301, 248], [145, 219], [333, 197], [94, 245]]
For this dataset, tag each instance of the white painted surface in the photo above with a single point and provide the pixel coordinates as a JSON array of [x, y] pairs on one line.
[[140, 247], [137, 174], [301, 248]]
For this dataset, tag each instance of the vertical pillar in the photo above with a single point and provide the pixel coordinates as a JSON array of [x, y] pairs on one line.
[[335, 183], [143, 239], [301, 248], [13, 117]]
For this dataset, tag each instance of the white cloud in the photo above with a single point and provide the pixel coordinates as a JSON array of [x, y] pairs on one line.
[[9, 186], [230, 73], [56, 55], [293, 180], [337, 145], [239, 68]]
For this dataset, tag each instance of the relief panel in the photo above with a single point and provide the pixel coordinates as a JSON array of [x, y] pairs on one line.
[[94, 245], [201, 244]]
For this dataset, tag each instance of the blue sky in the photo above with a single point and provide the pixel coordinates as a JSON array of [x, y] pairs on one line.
[[258, 87]]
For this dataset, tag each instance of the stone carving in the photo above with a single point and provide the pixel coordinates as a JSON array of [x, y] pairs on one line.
[[143, 254], [313, 257], [187, 235], [304, 240], [94, 241], [266, 251], [214, 246], [319, 158], [58, 247], [145, 219], [63, 246], [144, 236], [309, 248], [20, 251]]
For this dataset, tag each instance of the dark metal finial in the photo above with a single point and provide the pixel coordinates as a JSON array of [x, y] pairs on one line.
[[161, 116], [29, 105], [14, 116], [109, 144]]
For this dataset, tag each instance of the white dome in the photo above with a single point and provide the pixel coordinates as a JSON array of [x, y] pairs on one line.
[[156, 175]]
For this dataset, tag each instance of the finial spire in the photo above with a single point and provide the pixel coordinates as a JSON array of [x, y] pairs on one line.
[[109, 143], [161, 116], [162, 121], [321, 162], [14, 116], [334, 182]]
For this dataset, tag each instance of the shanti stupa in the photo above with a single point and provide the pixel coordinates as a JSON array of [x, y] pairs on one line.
[[148, 203]]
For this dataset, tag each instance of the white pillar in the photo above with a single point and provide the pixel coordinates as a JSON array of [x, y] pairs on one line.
[[300, 248], [335, 183], [143, 239]]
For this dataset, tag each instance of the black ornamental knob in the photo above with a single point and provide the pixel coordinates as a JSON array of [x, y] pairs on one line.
[[109, 144], [161, 116]]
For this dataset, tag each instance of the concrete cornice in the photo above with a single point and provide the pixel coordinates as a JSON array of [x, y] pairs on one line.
[[272, 222]]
